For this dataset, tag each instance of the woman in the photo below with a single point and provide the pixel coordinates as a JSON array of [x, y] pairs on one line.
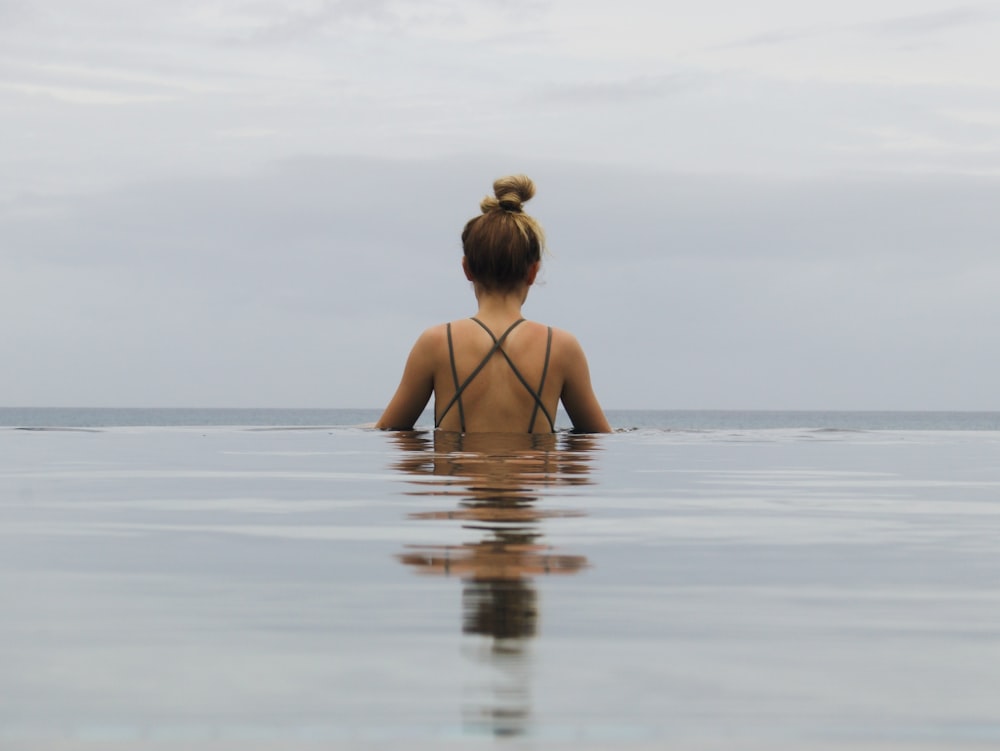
[[496, 372]]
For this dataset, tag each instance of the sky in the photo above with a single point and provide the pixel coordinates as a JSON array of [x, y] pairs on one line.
[[769, 205]]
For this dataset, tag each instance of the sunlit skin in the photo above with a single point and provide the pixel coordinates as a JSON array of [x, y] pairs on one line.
[[496, 401]]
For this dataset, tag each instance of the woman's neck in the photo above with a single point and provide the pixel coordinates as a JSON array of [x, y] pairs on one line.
[[500, 306]]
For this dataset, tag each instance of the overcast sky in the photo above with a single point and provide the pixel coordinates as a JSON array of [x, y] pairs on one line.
[[768, 205]]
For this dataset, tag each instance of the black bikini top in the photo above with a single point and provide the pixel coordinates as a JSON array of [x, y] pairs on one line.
[[498, 347]]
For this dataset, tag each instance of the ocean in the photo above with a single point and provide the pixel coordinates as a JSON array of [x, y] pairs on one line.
[[284, 579], [93, 417]]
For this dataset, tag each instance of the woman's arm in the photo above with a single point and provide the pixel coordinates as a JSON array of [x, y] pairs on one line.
[[414, 389], [578, 394]]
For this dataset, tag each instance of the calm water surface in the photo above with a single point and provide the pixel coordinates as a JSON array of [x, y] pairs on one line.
[[665, 419], [237, 587]]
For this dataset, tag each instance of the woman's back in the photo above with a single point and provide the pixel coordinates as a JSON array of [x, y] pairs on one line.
[[498, 378]]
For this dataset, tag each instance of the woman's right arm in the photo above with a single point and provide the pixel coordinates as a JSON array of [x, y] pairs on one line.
[[415, 387], [578, 394]]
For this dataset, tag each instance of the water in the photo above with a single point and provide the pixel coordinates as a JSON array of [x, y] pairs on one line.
[[266, 586], [96, 417]]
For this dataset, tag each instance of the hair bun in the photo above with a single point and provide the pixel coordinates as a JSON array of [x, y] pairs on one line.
[[511, 193]]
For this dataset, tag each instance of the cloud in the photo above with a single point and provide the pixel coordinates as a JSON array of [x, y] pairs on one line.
[[247, 132], [919, 24], [292, 22], [432, 19], [82, 94], [911, 25], [620, 91], [125, 77], [773, 37], [13, 11], [901, 140]]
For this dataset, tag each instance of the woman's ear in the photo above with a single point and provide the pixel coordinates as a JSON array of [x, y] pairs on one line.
[[532, 273], [465, 268]]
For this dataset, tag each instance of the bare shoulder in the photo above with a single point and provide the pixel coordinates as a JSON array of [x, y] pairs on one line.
[[565, 345], [564, 337], [434, 333], [432, 340]]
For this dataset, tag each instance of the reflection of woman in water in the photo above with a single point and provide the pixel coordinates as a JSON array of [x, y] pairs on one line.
[[498, 481], [497, 372]]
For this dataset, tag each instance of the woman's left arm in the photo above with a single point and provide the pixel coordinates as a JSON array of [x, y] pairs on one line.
[[415, 388]]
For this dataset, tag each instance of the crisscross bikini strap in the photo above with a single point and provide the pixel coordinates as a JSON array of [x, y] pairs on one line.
[[537, 395], [454, 375], [498, 343], [541, 387], [459, 388]]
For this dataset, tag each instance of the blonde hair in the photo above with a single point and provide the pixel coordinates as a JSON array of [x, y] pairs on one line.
[[501, 244]]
